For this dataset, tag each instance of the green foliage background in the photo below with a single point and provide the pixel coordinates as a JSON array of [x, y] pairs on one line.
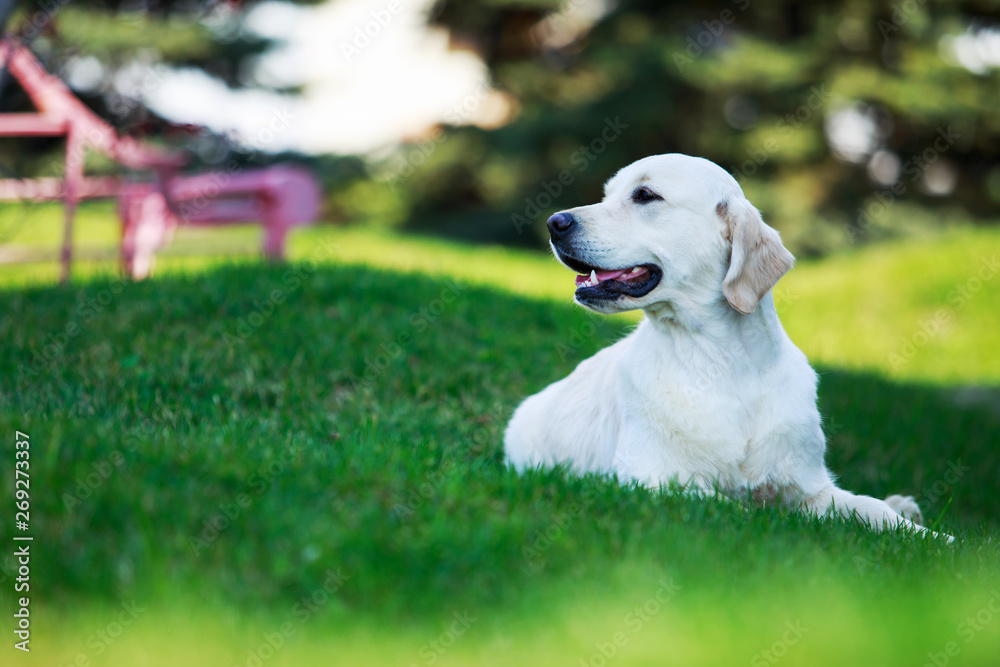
[[746, 83], [674, 71]]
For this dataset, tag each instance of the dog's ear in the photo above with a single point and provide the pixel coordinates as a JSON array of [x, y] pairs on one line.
[[758, 258]]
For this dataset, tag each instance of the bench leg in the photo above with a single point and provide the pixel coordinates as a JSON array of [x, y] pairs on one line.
[[73, 181], [274, 241]]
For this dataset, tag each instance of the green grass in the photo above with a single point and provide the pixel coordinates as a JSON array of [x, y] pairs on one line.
[[866, 311], [174, 405]]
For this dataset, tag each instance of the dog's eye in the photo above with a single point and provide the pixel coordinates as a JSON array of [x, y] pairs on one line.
[[644, 195]]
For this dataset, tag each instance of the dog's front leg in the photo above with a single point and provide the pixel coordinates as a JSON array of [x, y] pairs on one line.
[[877, 513], [644, 456]]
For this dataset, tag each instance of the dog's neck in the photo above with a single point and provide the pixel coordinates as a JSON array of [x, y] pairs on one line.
[[711, 328]]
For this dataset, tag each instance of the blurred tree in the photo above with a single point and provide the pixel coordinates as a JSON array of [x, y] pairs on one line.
[[844, 121], [109, 51], [209, 34]]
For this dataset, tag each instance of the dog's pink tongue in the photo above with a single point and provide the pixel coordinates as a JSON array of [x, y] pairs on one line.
[[601, 276], [609, 275]]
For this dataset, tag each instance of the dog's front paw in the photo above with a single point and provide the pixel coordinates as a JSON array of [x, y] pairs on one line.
[[906, 506]]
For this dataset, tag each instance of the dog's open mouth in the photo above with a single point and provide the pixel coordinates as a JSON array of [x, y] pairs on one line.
[[596, 283]]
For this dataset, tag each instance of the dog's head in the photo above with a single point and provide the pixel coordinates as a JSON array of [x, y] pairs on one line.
[[671, 229]]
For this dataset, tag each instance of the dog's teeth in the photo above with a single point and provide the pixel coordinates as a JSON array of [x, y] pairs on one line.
[[593, 277]]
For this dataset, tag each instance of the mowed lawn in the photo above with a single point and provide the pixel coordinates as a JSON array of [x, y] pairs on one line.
[[241, 464]]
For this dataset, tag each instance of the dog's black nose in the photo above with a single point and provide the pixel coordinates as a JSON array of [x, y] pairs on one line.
[[559, 224]]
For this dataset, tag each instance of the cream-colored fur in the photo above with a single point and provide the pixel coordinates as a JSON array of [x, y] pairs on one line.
[[708, 390]]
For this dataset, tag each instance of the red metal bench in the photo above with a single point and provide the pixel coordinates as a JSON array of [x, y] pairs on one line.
[[279, 197]]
